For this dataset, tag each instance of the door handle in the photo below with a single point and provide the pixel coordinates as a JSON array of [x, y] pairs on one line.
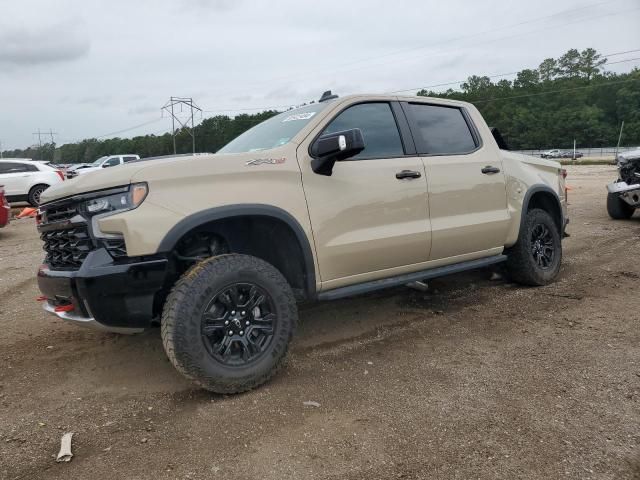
[[408, 174], [489, 170]]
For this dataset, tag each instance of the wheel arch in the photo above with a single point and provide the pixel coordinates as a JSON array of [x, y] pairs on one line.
[[545, 198], [282, 222]]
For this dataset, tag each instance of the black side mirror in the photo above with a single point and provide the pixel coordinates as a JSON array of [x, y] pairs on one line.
[[333, 147]]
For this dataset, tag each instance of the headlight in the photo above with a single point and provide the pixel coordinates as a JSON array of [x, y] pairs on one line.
[[123, 200]]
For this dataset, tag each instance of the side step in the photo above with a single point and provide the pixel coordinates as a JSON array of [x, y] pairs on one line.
[[408, 278]]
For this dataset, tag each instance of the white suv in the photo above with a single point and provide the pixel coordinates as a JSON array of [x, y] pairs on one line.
[[108, 161], [24, 180]]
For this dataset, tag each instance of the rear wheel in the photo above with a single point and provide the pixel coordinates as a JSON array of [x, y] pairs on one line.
[[34, 194], [228, 322], [535, 258], [617, 208]]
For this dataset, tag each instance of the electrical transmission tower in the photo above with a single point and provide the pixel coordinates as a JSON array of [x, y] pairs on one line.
[[171, 108], [40, 134]]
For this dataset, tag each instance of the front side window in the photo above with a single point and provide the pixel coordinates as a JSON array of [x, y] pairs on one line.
[[441, 130], [378, 126], [112, 162]]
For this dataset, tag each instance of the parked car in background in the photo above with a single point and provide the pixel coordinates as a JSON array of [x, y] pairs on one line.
[[552, 154], [108, 161], [24, 180], [5, 209], [570, 154], [73, 170], [623, 195]]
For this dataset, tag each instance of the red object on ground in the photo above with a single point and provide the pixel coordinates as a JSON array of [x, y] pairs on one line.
[[64, 308], [5, 209], [27, 212], [41, 298]]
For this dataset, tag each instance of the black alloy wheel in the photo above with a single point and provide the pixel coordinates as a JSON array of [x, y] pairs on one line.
[[238, 324], [542, 246]]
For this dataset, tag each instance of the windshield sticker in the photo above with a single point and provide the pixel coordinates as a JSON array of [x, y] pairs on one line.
[[268, 161], [299, 116]]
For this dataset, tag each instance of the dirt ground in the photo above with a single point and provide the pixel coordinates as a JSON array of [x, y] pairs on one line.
[[474, 379]]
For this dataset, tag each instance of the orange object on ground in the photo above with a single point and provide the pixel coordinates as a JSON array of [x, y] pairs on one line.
[[27, 212]]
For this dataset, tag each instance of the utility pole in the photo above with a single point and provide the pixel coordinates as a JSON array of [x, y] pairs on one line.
[[619, 138], [1, 149], [170, 107]]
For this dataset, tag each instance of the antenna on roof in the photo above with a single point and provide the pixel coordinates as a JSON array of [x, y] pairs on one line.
[[326, 96]]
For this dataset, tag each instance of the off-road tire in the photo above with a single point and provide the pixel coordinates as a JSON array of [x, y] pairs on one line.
[[617, 208], [34, 194], [182, 317], [521, 265]]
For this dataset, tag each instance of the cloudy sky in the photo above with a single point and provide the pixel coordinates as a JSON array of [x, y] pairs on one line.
[[91, 68]]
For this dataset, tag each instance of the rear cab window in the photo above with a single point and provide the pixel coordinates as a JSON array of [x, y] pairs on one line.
[[441, 130]]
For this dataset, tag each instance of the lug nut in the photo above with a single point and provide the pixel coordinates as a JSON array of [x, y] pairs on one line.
[[247, 322], [233, 312], [226, 322], [242, 312], [241, 332], [230, 332]]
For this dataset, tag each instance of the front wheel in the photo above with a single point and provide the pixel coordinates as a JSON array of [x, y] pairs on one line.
[[535, 258], [34, 194], [228, 322], [617, 208]]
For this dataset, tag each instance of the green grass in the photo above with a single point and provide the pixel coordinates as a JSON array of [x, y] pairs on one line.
[[588, 161]]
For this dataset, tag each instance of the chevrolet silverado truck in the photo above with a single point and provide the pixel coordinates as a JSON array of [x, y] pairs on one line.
[[333, 199]]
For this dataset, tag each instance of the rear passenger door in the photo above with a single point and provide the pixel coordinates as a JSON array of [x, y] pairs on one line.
[[466, 182]]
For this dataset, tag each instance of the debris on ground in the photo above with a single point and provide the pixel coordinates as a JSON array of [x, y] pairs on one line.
[[64, 455], [311, 403]]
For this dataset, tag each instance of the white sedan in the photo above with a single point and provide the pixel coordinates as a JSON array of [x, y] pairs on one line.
[[24, 180]]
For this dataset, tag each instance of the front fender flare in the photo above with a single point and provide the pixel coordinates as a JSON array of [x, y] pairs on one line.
[[202, 217]]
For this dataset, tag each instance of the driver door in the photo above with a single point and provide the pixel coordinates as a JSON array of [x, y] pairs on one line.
[[371, 215]]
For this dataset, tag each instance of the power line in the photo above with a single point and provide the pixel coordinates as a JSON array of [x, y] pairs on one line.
[[555, 91], [442, 42], [129, 128], [496, 75]]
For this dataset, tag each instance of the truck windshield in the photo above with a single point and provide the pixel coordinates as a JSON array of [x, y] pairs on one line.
[[273, 132]]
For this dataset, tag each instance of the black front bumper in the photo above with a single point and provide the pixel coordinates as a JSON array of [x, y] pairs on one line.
[[111, 294]]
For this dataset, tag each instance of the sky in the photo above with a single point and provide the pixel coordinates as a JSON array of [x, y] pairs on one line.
[[104, 68]]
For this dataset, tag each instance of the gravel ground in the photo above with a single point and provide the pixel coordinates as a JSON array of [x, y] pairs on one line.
[[474, 379]]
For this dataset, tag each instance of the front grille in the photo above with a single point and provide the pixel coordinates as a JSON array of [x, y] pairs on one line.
[[66, 249], [60, 214]]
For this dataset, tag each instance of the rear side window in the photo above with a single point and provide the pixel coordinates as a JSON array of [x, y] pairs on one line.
[[441, 130], [378, 126], [128, 159], [11, 167]]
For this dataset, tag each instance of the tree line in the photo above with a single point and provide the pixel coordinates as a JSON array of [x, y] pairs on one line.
[[572, 97]]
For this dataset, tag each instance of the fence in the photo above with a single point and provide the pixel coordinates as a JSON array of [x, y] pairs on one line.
[[595, 152]]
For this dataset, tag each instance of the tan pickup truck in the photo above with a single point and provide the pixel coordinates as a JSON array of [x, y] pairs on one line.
[[337, 198]]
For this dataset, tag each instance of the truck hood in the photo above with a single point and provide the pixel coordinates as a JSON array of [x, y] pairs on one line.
[[164, 168], [542, 162]]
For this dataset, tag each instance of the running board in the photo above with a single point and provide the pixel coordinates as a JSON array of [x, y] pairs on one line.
[[408, 278]]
